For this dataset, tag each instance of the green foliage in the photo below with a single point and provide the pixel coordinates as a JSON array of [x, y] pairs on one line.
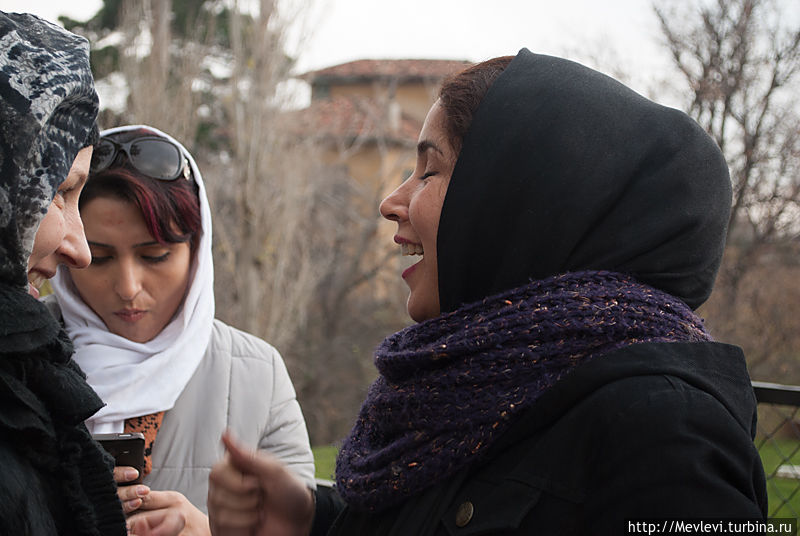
[[208, 137], [106, 18], [202, 21], [325, 461], [69, 23], [104, 61]]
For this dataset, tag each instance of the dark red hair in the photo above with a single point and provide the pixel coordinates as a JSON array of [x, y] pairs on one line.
[[171, 209], [462, 93]]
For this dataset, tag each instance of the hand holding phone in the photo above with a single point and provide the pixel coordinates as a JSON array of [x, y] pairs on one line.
[[127, 450]]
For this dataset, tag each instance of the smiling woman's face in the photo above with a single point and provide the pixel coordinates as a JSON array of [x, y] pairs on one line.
[[134, 284], [415, 206]]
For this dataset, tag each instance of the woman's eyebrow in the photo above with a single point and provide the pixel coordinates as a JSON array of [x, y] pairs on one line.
[[143, 244]]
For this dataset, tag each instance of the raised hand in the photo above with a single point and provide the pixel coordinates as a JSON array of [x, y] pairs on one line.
[[253, 494]]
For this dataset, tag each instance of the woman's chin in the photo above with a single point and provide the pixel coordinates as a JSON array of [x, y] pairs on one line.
[[138, 334], [421, 310]]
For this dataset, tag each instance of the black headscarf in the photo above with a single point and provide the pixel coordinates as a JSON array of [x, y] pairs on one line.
[[566, 169], [48, 107]]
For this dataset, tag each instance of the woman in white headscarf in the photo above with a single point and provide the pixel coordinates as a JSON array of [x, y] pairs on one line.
[[142, 321]]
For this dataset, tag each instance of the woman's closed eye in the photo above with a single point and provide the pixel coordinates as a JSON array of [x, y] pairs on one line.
[[70, 190], [155, 259], [62, 196], [427, 175], [100, 259]]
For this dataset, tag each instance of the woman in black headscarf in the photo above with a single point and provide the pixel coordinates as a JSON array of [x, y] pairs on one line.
[[558, 380], [53, 478]]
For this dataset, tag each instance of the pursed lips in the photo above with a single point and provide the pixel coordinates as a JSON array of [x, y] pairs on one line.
[[130, 315]]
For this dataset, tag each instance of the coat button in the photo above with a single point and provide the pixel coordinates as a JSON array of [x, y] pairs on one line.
[[464, 514]]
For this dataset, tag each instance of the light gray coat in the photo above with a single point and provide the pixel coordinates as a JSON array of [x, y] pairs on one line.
[[242, 385]]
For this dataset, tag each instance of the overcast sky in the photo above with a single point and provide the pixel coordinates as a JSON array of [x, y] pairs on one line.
[[622, 31], [475, 29], [605, 34], [342, 30]]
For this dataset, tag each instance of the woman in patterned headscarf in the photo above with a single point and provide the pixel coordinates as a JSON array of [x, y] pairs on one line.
[[53, 478]]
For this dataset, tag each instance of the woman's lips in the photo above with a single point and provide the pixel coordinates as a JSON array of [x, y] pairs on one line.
[[35, 281], [410, 269], [33, 291], [408, 248], [130, 315]]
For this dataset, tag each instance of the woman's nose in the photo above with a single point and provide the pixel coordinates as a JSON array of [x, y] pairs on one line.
[[394, 207], [74, 251], [127, 284]]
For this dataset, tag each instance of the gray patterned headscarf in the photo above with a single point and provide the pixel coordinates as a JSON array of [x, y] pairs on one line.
[[48, 107]]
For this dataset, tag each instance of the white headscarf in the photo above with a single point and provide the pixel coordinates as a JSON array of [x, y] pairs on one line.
[[132, 378]]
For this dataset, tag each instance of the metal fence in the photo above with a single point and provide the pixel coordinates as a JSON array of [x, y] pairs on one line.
[[778, 441]]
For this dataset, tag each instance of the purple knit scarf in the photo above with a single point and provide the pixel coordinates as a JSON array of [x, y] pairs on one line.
[[450, 386]]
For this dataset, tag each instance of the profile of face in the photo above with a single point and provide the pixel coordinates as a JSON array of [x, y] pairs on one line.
[[134, 284], [60, 238], [415, 206]]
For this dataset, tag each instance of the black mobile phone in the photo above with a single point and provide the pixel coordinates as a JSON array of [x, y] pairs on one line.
[[127, 450]]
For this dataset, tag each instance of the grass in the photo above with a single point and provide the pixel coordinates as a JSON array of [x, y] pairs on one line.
[[325, 461], [774, 453]]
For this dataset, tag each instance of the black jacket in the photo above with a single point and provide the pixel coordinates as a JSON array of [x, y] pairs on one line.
[[54, 479], [653, 430]]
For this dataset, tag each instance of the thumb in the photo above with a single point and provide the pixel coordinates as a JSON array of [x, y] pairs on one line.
[[245, 460], [288, 493]]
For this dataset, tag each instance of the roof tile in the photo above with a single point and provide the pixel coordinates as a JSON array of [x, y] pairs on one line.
[[404, 70], [351, 117]]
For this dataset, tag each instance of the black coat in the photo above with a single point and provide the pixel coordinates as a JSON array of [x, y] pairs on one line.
[[54, 479], [653, 430]]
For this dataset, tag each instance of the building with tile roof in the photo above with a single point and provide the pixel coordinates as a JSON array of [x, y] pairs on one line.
[[409, 83], [367, 114], [364, 119]]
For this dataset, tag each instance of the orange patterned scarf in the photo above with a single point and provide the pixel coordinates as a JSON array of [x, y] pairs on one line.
[[147, 425]]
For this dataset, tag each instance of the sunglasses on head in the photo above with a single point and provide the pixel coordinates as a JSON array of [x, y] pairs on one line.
[[155, 157]]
